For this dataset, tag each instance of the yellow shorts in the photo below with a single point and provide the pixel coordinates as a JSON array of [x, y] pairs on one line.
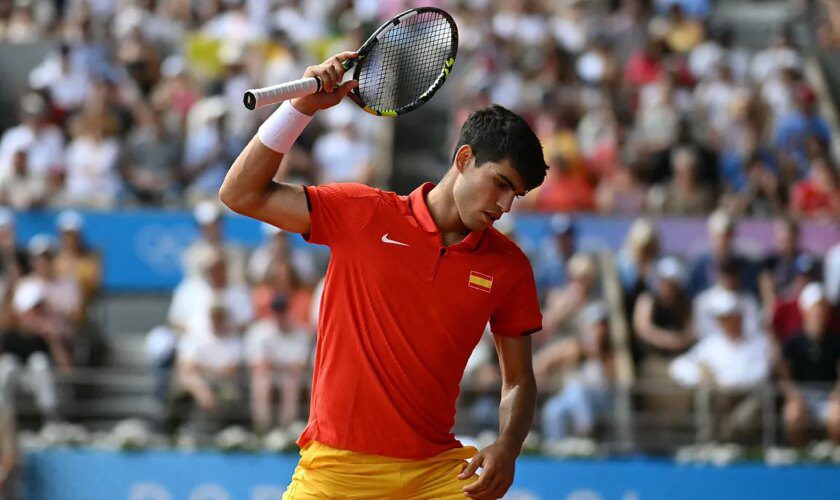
[[325, 472]]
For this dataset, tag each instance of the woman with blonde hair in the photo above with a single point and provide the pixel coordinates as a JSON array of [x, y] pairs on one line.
[[636, 260]]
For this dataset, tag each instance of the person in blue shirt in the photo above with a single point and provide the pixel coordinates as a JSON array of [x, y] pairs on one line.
[[802, 123], [703, 268], [551, 259]]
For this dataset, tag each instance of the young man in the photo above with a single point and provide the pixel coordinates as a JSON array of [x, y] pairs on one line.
[[412, 282]]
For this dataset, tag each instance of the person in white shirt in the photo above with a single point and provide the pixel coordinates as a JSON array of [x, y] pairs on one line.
[[727, 280], [193, 297], [209, 217], [209, 369], [43, 143], [277, 352], [726, 369]]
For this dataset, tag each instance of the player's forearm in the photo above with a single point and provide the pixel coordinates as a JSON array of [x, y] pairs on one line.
[[250, 179], [516, 411]]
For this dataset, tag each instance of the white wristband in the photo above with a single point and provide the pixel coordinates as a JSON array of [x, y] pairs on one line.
[[283, 127]]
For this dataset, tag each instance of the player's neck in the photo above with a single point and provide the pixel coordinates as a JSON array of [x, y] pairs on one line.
[[441, 203]]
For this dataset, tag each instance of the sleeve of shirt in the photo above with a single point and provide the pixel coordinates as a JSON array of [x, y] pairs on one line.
[[179, 308], [685, 369], [338, 211], [518, 313]]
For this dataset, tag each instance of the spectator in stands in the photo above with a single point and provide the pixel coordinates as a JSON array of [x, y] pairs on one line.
[[808, 372], [682, 33], [726, 369], [278, 353], [756, 190], [209, 150], [28, 348], [552, 258], [564, 189], [278, 247], [209, 365], [703, 268], [67, 84], [636, 260], [43, 142], [780, 54], [646, 65], [61, 293], [727, 281], [342, 155], [21, 188], [75, 260], [779, 267], [151, 163], [818, 194], [795, 128], [188, 312], [91, 161], [786, 319], [563, 306], [13, 260], [209, 217], [662, 321], [22, 26], [685, 194], [586, 396]]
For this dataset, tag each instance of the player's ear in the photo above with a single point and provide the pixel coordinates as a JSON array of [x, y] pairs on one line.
[[464, 157]]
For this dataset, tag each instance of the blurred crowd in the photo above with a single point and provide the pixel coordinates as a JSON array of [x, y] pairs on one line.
[[649, 107], [140, 101], [714, 337], [643, 108]]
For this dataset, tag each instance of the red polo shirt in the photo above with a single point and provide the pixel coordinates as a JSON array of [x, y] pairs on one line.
[[400, 315]]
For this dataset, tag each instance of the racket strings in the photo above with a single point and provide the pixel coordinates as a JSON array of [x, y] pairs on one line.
[[406, 62]]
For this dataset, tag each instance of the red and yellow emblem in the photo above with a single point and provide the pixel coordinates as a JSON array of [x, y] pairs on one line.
[[480, 281]]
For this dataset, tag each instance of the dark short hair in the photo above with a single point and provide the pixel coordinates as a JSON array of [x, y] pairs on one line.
[[495, 133]]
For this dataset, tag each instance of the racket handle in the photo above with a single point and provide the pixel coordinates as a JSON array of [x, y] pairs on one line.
[[257, 98]]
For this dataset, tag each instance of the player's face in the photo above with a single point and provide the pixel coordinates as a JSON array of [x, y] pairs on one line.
[[483, 193]]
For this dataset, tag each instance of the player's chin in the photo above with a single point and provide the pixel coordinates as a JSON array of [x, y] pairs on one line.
[[483, 220]]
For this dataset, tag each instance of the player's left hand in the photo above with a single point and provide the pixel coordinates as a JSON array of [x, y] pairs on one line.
[[498, 461]]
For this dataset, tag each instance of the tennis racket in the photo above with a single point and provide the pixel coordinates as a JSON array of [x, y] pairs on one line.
[[399, 67]]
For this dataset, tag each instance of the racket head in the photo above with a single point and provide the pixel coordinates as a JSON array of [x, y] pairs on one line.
[[405, 62]]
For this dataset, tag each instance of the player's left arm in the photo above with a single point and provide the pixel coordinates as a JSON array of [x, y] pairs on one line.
[[516, 411]]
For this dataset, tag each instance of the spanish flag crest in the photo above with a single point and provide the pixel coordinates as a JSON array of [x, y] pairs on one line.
[[480, 281]]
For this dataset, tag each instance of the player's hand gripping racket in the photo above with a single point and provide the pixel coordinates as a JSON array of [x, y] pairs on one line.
[[399, 67]]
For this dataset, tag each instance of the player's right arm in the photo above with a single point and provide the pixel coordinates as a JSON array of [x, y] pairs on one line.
[[249, 187]]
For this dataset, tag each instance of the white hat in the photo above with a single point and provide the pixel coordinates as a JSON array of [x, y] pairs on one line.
[[28, 295], [671, 269], [40, 244], [810, 295], [207, 212], [69, 220], [269, 229], [7, 218], [725, 303]]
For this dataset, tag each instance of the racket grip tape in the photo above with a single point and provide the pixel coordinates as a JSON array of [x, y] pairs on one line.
[[256, 98]]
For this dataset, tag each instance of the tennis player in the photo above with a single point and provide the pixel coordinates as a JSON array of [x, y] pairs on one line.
[[411, 284]]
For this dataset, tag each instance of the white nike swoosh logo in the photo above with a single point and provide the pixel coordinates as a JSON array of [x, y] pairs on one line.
[[386, 239]]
